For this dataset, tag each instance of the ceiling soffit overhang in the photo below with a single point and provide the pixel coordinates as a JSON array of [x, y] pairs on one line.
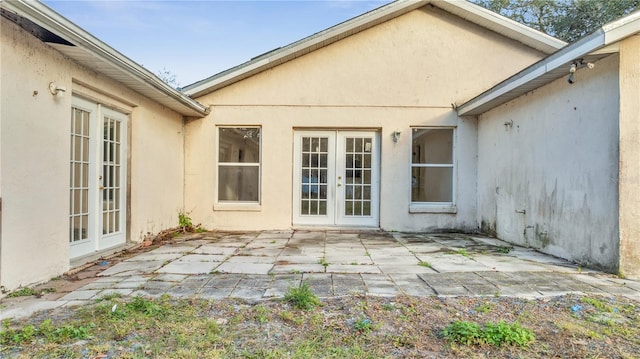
[[591, 48], [84, 48], [463, 9]]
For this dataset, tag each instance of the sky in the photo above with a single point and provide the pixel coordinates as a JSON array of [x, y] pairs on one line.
[[197, 39]]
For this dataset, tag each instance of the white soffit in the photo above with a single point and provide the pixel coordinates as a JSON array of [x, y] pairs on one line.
[[591, 48], [98, 56], [461, 8]]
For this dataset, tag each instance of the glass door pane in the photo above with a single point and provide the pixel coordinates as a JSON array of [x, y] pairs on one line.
[[314, 177], [111, 175], [357, 176]]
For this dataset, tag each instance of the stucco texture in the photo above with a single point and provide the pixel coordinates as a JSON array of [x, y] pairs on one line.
[[402, 73], [548, 168], [35, 148]]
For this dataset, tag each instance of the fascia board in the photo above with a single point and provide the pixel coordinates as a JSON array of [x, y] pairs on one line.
[[202, 87], [537, 39], [561, 58], [54, 22]]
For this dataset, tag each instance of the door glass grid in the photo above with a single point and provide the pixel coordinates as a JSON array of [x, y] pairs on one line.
[[111, 167], [314, 175], [79, 179], [357, 201]]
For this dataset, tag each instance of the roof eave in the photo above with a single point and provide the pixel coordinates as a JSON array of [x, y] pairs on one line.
[[47, 18], [595, 45], [466, 10]]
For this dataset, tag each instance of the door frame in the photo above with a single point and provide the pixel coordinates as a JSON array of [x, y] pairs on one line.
[[96, 241], [335, 194]]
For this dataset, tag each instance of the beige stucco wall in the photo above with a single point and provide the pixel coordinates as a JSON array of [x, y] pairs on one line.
[[35, 158], [405, 72], [549, 180], [629, 185]]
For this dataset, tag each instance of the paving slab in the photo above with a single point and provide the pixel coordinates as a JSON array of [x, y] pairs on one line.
[[211, 249], [150, 256], [245, 268], [348, 268], [224, 280], [215, 292], [195, 258], [252, 259], [81, 295], [398, 269], [132, 268], [165, 277], [188, 267], [257, 265], [29, 307], [298, 268], [180, 249]]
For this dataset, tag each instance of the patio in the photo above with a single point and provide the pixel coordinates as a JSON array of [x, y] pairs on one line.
[[257, 266]]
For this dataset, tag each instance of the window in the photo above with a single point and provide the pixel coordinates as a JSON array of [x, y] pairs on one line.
[[432, 168], [239, 164]]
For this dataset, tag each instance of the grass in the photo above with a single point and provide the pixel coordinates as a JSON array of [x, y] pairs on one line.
[[302, 297], [23, 292], [424, 264], [345, 327], [498, 334]]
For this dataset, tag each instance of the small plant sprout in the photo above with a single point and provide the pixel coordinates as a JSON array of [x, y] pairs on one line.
[[302, 297], [424, 264], [502, 333], [362, 325]]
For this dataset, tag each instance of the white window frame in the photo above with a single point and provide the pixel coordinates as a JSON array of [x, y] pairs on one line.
[[434, 207], [237, 205]]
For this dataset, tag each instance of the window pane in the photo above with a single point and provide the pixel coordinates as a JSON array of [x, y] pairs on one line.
[[432, 146], [432, 184], [238, 183], [239, 145]]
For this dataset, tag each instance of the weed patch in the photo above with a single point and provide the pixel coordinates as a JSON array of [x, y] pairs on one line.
[[469, 333], [302, 297]]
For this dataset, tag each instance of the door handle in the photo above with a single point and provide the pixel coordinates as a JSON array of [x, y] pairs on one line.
[[101, 187]]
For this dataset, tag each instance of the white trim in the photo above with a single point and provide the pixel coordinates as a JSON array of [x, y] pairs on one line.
[[154, 87], [468, 11], [434, 207], [236, 205], [599, 43]]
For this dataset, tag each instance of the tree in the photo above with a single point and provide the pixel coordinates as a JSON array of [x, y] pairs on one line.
[[568, 20], [168, 77]]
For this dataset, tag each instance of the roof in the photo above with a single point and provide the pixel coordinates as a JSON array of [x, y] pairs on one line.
[[81, 46], [463, 9], [589, 49]]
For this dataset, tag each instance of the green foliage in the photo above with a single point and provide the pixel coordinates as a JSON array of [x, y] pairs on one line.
[[184, 222], [503, 249], [485, 308], [144, 306], [23, 292], [46, 330], [302, 297], [362, 325], [463, 252], [597, 303], [502, 333], [565, 19], [424, 264]]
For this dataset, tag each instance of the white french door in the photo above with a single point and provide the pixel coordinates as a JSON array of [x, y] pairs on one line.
[[97, 179], [336, 178]]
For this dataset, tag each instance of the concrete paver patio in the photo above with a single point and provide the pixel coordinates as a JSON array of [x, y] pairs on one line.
[[261, 265]]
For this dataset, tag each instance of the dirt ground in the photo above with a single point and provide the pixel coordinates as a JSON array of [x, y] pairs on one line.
[[353, 326]]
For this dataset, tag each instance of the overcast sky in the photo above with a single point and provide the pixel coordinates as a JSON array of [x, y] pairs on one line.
[[196, 39]]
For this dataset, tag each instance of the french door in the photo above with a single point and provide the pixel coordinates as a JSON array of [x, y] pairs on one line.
[[97, 179], [336, 178]]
